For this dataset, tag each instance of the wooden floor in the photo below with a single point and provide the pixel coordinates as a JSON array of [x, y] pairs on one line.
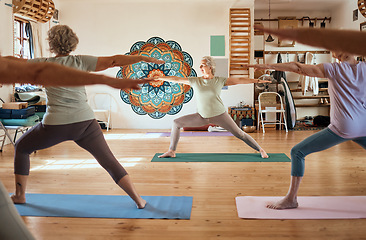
[[66, 169]]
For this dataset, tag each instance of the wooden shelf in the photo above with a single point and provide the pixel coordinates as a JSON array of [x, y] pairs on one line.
[[310, 97], [297, 52], [313, 105], [299, 90]]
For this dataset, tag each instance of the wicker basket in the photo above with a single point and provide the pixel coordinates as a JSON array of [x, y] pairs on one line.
[[38, 10]]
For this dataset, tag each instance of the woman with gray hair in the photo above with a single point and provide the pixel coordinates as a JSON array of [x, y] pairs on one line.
[[69, 117], [210, 108]]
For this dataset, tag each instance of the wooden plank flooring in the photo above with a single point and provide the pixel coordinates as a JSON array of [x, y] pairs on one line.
[[67, 169]]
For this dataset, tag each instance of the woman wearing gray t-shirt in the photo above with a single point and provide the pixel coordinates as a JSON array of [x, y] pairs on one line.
[[69, 117], [210, 108]]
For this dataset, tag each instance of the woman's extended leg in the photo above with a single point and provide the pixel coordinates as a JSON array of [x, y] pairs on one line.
[[315, 143], [93, 141], [39, 137], [192, 120], [361, 141], [224, 120]]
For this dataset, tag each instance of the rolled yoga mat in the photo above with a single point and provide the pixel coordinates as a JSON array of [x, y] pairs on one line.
[[104, 206], [223, 157], [319, 207]]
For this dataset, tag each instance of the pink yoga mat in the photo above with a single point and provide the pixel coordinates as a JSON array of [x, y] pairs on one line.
[[323, 207]]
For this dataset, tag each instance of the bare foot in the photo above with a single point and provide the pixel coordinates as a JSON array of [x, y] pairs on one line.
[[168, 154], [17, 199], [141, 203], [285, 203], [263, 153]]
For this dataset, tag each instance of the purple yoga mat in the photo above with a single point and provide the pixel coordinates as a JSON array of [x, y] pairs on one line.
[[312, 207], [192, 134]]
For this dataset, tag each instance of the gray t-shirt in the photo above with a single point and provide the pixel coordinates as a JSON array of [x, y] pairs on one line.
[[347, 91], [67, 105], [207, 91]]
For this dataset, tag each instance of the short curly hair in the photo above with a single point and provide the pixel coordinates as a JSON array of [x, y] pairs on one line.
[[210, 62], [62, 40]]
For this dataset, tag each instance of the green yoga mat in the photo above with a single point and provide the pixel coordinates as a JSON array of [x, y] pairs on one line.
[[223, 157]]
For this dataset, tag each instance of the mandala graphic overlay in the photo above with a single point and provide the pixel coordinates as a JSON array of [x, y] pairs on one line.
[[158, 98]]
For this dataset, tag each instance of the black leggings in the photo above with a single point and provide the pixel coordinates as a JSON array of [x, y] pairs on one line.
[[87, 135]]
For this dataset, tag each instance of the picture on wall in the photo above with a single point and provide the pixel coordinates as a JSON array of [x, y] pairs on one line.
[[158, 98]]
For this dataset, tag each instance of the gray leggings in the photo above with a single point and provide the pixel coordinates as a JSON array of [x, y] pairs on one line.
[[223, 120], [86, 134], [317, 142]]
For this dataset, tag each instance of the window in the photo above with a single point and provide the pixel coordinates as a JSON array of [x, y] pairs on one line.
[[21, 40]]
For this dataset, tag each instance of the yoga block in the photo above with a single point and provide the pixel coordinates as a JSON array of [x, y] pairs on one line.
[[15, 105]]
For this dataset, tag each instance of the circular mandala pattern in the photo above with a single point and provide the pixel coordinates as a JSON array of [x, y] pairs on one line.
[[158, 98]]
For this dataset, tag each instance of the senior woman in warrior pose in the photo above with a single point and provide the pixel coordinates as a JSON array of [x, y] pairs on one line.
[[347, 91], [69, 117], [210, 108]]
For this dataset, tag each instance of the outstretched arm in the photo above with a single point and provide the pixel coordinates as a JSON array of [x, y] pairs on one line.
[[303, 69], [173, 79], [122, 60], [15, 70], [335, 40], [243, 80]]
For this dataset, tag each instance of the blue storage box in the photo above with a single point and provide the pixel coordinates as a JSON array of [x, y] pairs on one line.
[[5, 113], [22, 113]]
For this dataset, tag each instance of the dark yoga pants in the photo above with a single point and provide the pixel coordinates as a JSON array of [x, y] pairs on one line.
[[86, 134]]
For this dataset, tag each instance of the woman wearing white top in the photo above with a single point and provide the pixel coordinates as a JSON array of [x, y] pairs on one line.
[[210, 108]]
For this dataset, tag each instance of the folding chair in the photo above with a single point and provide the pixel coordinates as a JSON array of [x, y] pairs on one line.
[[269, 102], [6, 134], [101, 103]]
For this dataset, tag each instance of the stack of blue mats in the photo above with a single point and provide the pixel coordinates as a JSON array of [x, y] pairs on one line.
[[19, 117]]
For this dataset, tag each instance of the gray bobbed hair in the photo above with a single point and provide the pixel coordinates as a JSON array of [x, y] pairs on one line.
[[211, 63], [62, 40]]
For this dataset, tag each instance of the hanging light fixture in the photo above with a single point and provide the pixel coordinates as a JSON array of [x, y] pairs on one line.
[[269, 38], [38, 10]]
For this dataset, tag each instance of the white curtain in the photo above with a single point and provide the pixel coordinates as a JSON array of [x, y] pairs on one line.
[[309, 83], [38, 40]]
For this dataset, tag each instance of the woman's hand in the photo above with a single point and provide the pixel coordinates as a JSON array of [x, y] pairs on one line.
[[127, 83]]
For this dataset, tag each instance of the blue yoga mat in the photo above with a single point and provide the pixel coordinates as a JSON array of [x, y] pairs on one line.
[[104, 206]]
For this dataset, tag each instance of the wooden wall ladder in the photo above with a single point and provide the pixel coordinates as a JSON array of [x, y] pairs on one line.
[[240, 41]]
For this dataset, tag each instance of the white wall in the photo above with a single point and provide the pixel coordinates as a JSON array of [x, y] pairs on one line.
[[343, 16], [111, 27]]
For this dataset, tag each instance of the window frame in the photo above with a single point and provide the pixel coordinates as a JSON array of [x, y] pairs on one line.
[[21, 38]]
